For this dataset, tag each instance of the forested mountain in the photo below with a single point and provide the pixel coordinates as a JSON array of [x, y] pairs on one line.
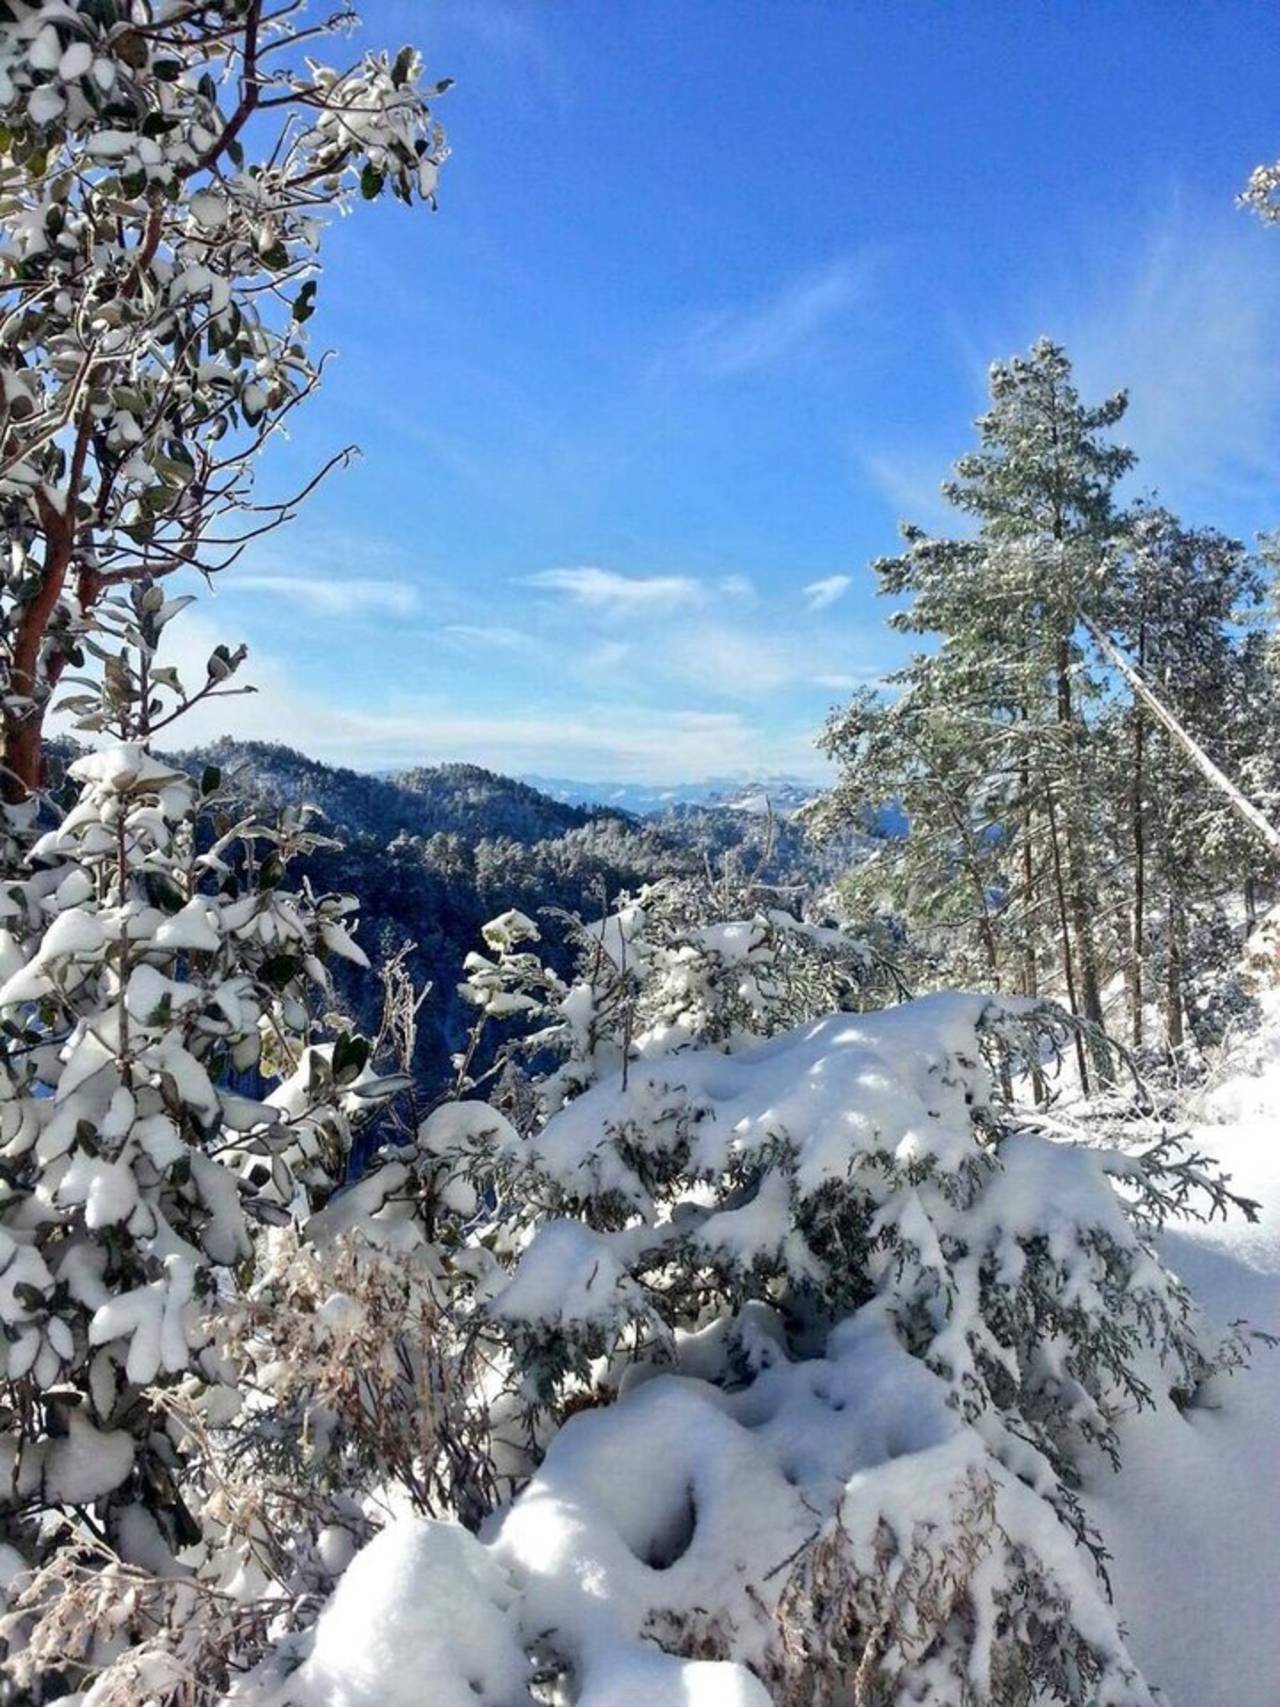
[[428, 800], [782, 795], [436, 851]]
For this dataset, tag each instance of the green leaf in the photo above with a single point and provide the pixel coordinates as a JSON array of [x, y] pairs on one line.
[[163, 892], [279, 970], [350, 1054], [305, 304], [371, 182]]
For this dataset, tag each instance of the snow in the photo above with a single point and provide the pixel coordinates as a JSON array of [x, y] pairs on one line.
[[1192, 1518], [423, 1603], [677, 1511]]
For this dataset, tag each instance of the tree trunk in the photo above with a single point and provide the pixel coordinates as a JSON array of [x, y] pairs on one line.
[[1068, 964], [1030, 974], [1244, 808], [1078, 886], [1173, 976], [1138, 809]]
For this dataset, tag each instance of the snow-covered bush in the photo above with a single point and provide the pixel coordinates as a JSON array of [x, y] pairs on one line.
[[855, 1327], [681, 963], [151, 958]]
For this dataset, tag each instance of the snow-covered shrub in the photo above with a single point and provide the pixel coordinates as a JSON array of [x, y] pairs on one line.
[[681, 963], [856, 1329], [147, 965]]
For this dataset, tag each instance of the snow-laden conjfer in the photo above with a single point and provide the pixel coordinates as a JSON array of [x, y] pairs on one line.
[[809, 1341]]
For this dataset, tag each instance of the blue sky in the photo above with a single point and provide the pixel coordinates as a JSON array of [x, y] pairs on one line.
[[705, 311]]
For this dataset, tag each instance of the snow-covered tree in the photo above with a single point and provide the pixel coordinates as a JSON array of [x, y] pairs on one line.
[[1010, 743], [1183, 605], [172, 1086], [166, 176], [1007, 843]]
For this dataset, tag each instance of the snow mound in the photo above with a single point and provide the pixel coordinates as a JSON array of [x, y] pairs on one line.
[[422, 1601]]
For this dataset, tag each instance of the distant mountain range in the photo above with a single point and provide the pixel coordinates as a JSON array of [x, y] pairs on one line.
[[783, 795]]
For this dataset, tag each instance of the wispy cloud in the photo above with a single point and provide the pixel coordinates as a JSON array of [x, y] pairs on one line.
[[591, 739], [821, 594], [604, 659], [911, 483], [1191, 334], [480, 634], [325, 595], [766, 333], [740, 588], [607, 591], [1180, 311]]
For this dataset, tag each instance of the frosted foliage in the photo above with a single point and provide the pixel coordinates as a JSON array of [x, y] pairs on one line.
[[169, 175], [842, 1334], [143, 969], [655, 976]]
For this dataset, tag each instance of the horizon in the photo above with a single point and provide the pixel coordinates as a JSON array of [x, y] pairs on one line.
[[655, 385]]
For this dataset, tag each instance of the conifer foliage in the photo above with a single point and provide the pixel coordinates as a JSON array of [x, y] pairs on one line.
[[1010, 743]]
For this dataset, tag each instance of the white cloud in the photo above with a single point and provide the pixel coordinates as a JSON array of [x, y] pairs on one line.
[[323, 595], [738, 661], [593, 740], [604, 659], [837, 682], [761, 335], [911, 481], [607, 591], [820, 594], [740, 588], [479, 634], [1189, 330], [1180, 309]]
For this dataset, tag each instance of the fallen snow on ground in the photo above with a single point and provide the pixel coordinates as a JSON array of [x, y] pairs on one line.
[[1193, 1517]]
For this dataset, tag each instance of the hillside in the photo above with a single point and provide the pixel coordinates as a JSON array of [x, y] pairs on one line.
[[436, 851], [454, 799]]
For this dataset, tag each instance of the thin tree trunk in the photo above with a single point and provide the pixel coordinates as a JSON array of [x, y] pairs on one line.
[[987, 932], [1138, 807], [1078, 884], [1173, 976], [1030, 975], [1240, 805], [1067, 958]]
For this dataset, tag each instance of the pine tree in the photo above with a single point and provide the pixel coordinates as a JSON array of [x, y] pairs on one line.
[[1183, 607], [1008, 674]]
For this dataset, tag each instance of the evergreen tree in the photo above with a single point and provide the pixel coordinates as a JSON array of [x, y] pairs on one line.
[[1008, 681], [1183, 605]]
